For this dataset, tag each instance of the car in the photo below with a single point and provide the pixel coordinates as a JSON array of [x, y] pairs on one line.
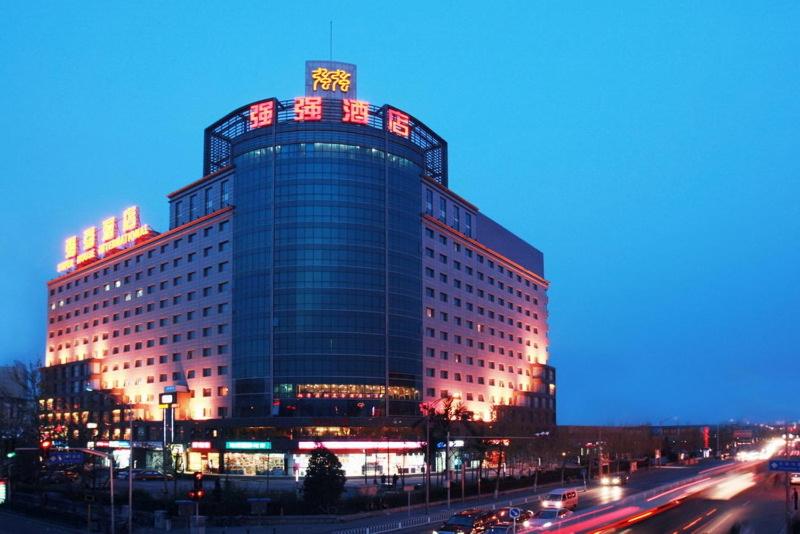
[[501, 515], [616, 479], [152, 475], [503, 527], [566, 498], [545, 519], [794, 478], [122, 474], [472, 521]]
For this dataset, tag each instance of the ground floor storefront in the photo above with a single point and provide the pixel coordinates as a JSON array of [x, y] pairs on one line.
[[373, 460]]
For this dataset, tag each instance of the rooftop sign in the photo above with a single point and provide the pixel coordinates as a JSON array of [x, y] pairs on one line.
[[331, 79], [96, 242]]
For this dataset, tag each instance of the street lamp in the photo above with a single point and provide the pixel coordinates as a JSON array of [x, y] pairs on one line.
[[430, 407]]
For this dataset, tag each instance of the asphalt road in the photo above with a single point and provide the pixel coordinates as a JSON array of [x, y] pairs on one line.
[[754, 499], [595, 496]]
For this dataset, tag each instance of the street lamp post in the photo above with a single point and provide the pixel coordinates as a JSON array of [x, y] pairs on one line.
[[447, 465], [130, 475], [427, 461]]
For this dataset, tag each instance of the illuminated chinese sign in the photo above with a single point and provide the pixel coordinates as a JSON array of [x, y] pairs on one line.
[[397, 122], [355, 111], [113, 235], [308, 108], [262, 114], [330, 79], [248, 445]]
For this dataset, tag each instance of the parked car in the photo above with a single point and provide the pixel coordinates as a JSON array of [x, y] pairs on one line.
[[152, 475], [472, 521]]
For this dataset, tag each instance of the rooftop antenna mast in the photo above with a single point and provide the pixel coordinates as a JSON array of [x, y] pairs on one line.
[[330, 43]]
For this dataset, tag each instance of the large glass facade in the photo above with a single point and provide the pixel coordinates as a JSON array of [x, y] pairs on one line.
[[327, 286]]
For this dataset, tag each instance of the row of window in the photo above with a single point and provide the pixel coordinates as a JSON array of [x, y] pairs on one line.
[[222, 308], [481, 259], [207, 270], [174, 244], [186, 210], [441, 213]]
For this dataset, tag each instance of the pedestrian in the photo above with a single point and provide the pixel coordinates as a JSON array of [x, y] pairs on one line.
[[395, 478], [795, 498]]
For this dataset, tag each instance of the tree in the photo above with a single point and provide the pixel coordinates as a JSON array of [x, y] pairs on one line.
[[19, 395], [324, 481], [441, 422]]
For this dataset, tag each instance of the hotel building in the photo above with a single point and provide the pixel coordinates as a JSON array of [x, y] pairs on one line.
[[320, 281]]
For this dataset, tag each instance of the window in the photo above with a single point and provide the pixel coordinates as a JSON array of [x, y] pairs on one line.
[[429, 202], [443, 209]]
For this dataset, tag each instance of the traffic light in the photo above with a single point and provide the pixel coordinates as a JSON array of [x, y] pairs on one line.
[[197, 493], [44, 449]]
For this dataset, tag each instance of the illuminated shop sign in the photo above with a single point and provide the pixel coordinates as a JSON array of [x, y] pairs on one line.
[[360, 445], [95, 242], [197, 445], [330, 78], [248, 445], [114, 444]]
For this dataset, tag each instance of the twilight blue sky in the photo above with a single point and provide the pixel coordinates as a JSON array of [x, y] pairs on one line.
[[650, 149]]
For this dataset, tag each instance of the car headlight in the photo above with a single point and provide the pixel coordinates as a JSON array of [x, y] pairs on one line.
[[548, 524], [434, 532], [558, 504], [615, 480], [526, 523], [605, 481]]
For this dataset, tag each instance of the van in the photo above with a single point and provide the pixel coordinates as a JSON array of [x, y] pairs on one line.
[[563, 498]]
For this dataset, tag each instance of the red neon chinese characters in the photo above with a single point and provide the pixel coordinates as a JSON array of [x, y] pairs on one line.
[[355, 111], [397, 122], [109, 229], [130, 219], [71, 247], [308, 108], [262, 114]]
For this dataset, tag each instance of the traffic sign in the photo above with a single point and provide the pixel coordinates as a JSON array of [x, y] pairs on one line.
[[514, 513], [785, 464]]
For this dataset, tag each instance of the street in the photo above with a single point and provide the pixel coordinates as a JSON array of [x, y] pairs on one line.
[[751, 499]]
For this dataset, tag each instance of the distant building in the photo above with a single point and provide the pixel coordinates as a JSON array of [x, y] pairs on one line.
[[320, 280]]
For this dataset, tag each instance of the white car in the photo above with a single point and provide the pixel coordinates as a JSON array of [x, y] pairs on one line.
[[545, 519]]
